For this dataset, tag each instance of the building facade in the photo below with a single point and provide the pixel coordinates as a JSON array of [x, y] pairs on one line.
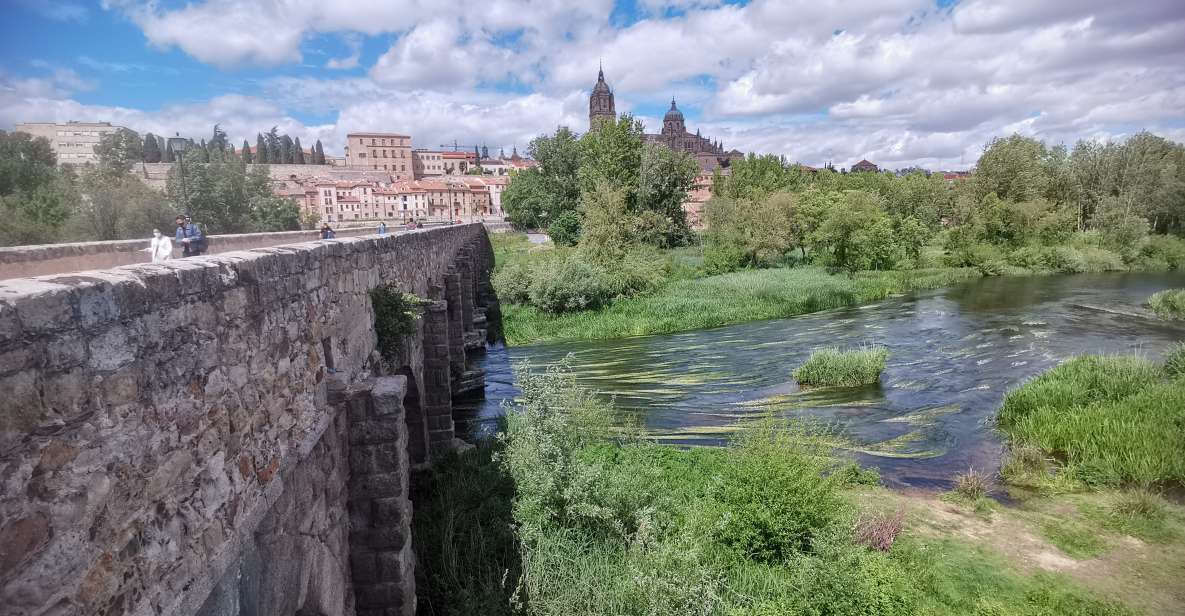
[[427, 163], [73, 142], [388, 152]]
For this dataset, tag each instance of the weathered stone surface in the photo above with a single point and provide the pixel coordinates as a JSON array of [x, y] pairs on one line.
[[168, 433]]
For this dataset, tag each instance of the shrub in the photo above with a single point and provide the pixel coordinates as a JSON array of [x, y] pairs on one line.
[[641, 271], [568, 284], [775, 495], [1029, 257], [1023, 463], [565, 229], [513, 283], [879, 530], [835, 368], [1168, 304], [1101, 260], [395, 314], [1063, 259], [722, 258], [1164, 249], [972, 485]]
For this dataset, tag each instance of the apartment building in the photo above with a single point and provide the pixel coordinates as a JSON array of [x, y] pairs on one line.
[[388, 152], [73, 142], [427, 163]]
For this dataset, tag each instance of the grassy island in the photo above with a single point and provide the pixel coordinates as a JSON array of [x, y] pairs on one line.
[[1168, 304], [833, 367]]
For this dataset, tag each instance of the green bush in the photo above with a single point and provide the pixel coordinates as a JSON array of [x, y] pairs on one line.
[[832, 367], [1028, 257], [512, 282], [1168, 304], [722, 258], [1063, 259], [565, 229], [1165, 250], [1097, 259], [395, 315], [568, 284]]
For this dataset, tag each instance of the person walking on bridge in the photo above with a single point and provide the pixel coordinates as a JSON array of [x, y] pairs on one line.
[[160, 248], [189, 235]]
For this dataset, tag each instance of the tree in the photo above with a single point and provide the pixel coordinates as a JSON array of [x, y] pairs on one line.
[[26, 163], [538, 195], [203, 152], [261, 150], [856, 234], [170, 156], [748, 232], [274, 155], [151, 149], [612, 156], [118, 206], [1014, 168], [320, 154], [608, 230], [34, 194], [119, 150], [218, 143], [286, 150], [754, 177], [297, 152], [665, 178], [246, 152]]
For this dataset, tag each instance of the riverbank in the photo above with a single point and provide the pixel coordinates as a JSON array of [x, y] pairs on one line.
[[772, 524], [686, 299], [712, 301]]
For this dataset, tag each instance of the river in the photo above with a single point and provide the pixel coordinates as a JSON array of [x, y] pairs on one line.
[[955, 353]]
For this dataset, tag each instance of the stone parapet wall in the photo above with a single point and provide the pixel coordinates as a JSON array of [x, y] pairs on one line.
[[43, 259], [160, 423]]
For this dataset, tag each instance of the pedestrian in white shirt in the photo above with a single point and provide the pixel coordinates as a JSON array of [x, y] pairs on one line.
[[161, 247]]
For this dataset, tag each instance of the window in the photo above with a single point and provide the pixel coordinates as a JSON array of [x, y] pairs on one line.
[[362, 155], [372, 142]]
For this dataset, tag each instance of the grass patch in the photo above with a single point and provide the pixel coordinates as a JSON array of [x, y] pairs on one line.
[[1140, 513], [1076, 540], [697, 303], [832, 367], [467, 553], [1168, 304], [1109, 420]]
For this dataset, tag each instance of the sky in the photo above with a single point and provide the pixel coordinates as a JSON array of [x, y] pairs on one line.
[[899, 82]]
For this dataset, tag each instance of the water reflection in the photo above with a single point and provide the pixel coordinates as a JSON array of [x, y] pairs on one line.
[[955, 353]]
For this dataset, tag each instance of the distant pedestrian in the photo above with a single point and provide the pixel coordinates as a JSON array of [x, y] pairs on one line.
[[411, 224], [327, 232], [190, 236], [160, 247], [382, 228]]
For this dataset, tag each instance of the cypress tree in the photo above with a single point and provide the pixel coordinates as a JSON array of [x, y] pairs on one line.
[[204, 152], [286, 150], [318, 154], [297, 152], [261, 156], [169, 156], [151, 149], [246, 152]]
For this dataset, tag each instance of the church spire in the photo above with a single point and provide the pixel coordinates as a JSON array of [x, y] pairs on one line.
[[600, 72]]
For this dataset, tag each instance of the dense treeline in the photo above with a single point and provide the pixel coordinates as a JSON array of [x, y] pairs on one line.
[[270, 148], [1097, 207], [43, 203]]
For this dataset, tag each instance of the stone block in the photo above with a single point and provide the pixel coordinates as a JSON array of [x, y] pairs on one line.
[[41, 306], [379, 485], [376, 458], [363, 566], [112, 349], [391, 511], [381, 538], [384, 595], [374, 431]]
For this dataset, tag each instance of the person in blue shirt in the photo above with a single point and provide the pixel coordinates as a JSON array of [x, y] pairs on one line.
[[189, 235], [382, 228]]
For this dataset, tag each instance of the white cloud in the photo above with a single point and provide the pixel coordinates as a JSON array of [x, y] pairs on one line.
[[900, 82]]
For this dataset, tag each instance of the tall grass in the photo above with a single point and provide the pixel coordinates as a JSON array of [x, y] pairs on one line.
[[612, 524], [832, 367], [1168, 304], [697, 303], [1110, 420]]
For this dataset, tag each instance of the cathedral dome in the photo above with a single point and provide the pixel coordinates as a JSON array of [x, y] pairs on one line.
[[674, 114]]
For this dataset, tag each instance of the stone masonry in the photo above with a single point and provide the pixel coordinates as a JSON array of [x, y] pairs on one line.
[[219, 436]]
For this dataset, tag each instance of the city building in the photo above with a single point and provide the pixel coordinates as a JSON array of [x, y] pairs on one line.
[[388, 152], [463, 197], [73, 142], [427, 163], [709, 154], [864, 165]]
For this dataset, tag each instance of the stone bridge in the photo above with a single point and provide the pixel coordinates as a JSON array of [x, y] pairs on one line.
[[219, 436]]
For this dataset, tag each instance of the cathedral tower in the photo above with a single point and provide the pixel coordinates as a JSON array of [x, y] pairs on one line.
[[600, 104]]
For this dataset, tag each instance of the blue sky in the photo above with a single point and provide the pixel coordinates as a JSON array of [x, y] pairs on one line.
[[900, 82]]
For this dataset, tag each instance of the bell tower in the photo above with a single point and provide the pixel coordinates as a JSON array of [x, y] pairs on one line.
[[600, 103]]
